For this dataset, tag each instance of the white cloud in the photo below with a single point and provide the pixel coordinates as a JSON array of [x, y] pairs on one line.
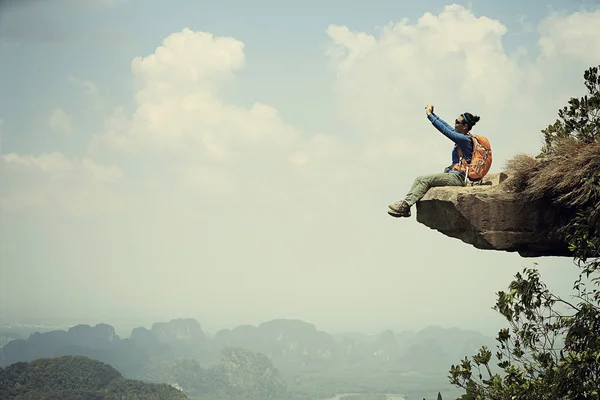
[[526, 26], [52, 163], [60, 121], [571, 36], [102, 173], [87, 86], [57, 164], [53, 181], [90, 89], [1, 133], [205, 141], [179, 104], [188, 58]]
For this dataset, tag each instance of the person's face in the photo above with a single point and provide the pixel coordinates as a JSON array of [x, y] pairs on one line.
[[460, 125]]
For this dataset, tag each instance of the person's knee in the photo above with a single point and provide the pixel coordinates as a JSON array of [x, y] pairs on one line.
[[420, 179]]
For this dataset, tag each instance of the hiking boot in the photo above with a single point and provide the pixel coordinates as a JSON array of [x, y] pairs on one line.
[[399, 209]]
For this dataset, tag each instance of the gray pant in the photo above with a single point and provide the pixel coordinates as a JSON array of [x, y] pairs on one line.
[[422, 184]]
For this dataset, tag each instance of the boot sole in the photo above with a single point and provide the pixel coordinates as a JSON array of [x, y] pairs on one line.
[[397, 215]]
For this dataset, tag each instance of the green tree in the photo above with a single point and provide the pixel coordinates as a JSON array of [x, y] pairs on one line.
[[580, 119], [551, 349]]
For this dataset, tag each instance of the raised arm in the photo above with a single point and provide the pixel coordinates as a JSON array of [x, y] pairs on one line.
[[447, 130]]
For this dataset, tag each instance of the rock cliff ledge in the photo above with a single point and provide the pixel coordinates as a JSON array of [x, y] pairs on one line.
[[491, 217]]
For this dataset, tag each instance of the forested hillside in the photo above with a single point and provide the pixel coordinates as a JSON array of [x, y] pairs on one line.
[[76, 378]]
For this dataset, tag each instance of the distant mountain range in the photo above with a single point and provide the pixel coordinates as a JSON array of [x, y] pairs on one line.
[[302, 353]]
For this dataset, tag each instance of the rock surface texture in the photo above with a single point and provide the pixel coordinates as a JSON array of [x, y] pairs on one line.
[[491, 217]]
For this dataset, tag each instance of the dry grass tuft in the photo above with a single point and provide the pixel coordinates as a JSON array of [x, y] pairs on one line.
[[522, 167], [570, 177]]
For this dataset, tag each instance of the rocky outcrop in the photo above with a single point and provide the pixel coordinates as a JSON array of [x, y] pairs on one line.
[[49, 344], [178, 329], [280, 339], [491, 217], [247, 372]]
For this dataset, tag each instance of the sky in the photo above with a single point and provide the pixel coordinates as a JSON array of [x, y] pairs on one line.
[[232, 161]]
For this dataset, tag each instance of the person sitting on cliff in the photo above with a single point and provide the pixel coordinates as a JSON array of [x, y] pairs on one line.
[[451, 176]]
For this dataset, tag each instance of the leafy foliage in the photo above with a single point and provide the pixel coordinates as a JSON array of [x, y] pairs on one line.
[[551, 349], [579, 120]]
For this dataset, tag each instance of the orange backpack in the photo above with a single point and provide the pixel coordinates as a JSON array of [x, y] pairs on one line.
[[480, 162]]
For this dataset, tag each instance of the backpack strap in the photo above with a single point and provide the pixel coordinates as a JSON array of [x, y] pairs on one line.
[[460, 153], [461, 156]]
